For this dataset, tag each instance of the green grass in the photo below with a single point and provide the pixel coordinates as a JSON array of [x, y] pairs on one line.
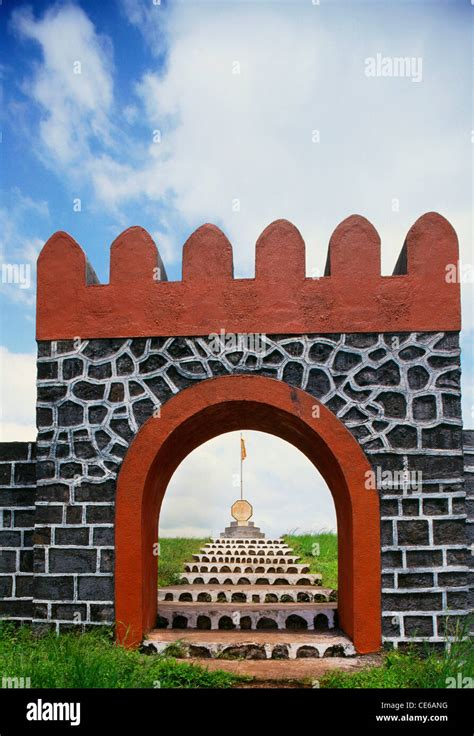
[[319, 551], [93, 660], [174, 552], [410, 669]]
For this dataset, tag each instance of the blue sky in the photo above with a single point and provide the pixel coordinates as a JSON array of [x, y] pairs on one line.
[[237, 91]]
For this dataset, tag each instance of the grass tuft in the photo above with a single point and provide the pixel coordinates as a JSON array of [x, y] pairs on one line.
[[174, 552], [93, 660], [319, 551], [413, 669]]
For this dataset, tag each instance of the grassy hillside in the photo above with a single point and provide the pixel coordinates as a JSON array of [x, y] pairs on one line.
[[174, 552], [319, 551]]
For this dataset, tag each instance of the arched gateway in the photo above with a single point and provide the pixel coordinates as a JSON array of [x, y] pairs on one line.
[[357, 370], [220, 405]]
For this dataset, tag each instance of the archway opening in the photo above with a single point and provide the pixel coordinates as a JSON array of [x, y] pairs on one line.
[[290, 534], [286, 490], [222, 405]]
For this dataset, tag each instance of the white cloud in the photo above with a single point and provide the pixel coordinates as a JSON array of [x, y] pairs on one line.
[[18, 246], [248, 135], [286, 490], [18, 396], [130, 113], [72, 85], [150, 18], [165, 246]]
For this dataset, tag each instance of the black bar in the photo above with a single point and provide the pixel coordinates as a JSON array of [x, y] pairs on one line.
[[309, 710]]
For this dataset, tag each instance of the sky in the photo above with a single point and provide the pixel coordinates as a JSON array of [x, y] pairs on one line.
[[171, 114], [286, 491]]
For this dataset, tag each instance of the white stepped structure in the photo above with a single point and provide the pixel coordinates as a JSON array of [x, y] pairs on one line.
[[246, 596]]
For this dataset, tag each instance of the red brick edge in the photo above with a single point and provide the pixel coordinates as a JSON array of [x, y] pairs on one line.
[[352, 296]]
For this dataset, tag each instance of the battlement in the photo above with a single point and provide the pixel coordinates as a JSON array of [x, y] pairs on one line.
[[352, 296]]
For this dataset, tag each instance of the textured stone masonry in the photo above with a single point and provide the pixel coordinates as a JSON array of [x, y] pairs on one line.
[[17, 519], [468, 442], [398, 394]]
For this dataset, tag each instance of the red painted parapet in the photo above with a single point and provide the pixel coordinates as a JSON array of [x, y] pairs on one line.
[[352, 296]]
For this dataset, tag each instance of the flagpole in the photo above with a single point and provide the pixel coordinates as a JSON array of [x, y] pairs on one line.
[[241, 470]]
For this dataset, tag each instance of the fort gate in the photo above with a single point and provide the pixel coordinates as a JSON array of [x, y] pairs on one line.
[[359, 371]]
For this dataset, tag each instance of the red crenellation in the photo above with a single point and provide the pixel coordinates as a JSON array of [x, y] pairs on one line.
[[352, 296]]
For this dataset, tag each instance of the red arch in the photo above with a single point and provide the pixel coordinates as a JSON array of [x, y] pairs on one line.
[[219, 405]]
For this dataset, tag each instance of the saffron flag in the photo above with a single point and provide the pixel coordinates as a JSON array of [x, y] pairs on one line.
[[243, 452]]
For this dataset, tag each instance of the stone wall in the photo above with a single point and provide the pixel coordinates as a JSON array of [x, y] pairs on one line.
[[468, 443], [398, 394], [17, 518]]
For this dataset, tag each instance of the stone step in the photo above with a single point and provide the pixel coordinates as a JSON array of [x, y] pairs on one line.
[[246, 541], [247, 593], [233, 567], [242, 559], [253, 550], [254, 616], [250, 533], [263, 543], [268, 551], [250, 644], [236, 542], [249, 578], [286, 557]]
